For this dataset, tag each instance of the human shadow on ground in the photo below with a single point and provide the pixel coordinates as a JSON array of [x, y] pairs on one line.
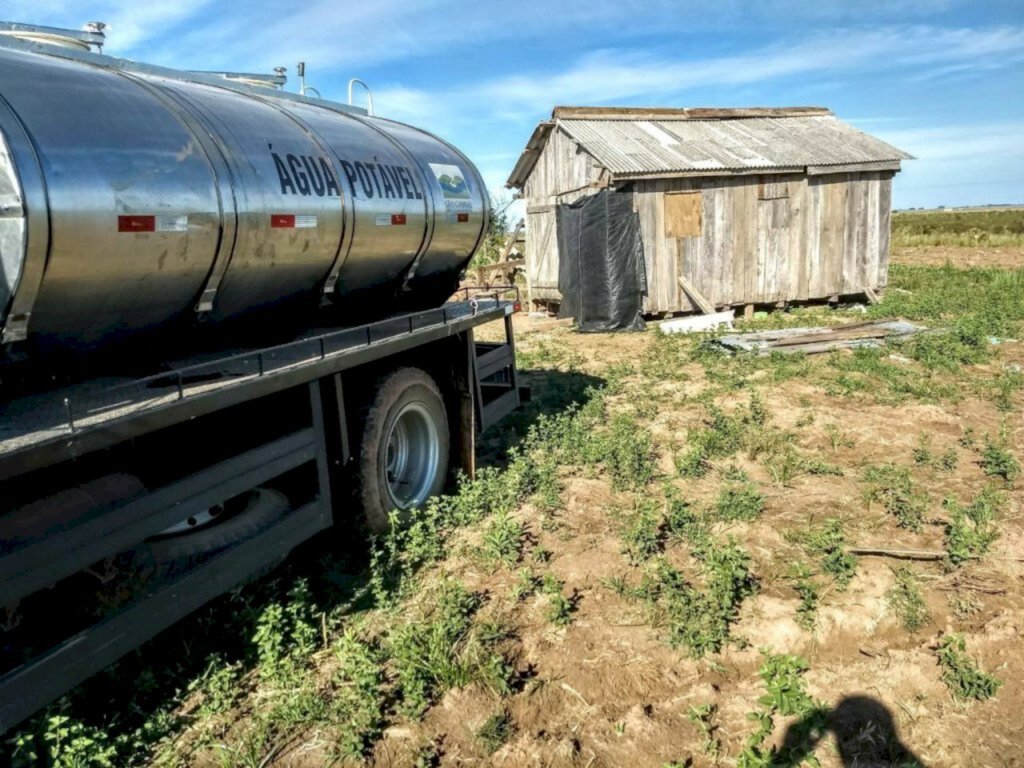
[[866, 736]]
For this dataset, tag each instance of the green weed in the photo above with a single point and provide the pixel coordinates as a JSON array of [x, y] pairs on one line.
[[64, 742], [836, 438], [829, 543], [503, 540], [922, 454], [961, 673], [997, 460], [444, 651], [219, 686], [684, 522], [628, 452], [808, 592], [893, 487], [357, 703], [782, 679], [699, 619], [947, 461], [971, 530], [642, 534], [287, 633], [526, 584], [704, 716], [739, 501], [720, 435], [560, 607], [906, 600], [1004, 387]]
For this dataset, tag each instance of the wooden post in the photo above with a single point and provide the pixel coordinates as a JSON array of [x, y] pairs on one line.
[[748, 312]]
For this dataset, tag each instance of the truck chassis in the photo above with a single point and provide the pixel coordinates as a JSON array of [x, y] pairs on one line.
[[209, 431]]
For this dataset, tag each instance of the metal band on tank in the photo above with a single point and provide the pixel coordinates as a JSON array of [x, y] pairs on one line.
[[485, 199], [428, 200], [213, 152], [348, 201], [37, 224]]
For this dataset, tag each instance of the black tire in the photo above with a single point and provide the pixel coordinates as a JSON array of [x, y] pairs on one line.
[[170, 554], [404, 391]]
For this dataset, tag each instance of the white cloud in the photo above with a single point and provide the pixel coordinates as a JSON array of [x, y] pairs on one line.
[[632, 77]]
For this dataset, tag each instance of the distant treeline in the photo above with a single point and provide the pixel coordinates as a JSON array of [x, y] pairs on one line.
[[959, 228]]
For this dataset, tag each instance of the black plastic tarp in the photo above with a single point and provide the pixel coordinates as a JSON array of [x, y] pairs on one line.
[[601, 272]]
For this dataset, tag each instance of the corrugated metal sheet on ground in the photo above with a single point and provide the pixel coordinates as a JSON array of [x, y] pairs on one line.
[[814, 340], [664, 146]]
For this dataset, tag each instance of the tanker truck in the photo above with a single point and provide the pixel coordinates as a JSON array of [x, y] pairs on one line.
[[225, 326]]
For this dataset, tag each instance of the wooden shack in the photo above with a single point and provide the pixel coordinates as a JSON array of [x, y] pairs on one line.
[[736, 206]]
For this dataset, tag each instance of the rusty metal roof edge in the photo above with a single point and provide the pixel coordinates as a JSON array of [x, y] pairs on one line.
[[685, 113], [530, 154]]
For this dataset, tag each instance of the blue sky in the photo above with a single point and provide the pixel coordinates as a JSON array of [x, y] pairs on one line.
[[942, 79]]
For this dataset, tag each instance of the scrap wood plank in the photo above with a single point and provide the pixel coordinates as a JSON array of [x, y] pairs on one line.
[[836, 335], [814, 340], [696, 297]]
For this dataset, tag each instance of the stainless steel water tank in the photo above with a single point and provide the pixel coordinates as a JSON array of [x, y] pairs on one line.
[[131, 196]]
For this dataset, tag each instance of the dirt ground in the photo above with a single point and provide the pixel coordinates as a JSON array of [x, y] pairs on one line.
[[939, 255], [629, 605], [607, 690]]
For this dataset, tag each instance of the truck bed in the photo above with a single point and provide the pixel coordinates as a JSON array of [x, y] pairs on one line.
[[39, 429]]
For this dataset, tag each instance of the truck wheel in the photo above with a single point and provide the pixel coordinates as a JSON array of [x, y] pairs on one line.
[[403, 458]]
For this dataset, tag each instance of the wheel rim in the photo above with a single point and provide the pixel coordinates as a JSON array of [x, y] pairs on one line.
[[411, 456], [209, 516]]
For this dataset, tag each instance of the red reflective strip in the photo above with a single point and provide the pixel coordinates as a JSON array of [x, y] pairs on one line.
[[398, 218], [136, 223], [282, 220], [462, 217]]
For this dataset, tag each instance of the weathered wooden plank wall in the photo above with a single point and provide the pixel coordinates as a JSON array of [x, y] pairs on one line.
[[563, 174], [762, 239]]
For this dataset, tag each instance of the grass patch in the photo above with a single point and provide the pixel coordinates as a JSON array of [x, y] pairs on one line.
[[445, 650], [495, 731], [958, 228]]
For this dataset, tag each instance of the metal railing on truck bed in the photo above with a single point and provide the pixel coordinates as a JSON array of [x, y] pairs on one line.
[[37, 430]]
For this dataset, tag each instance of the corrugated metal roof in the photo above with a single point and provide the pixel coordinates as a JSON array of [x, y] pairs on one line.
[[630, 147]]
